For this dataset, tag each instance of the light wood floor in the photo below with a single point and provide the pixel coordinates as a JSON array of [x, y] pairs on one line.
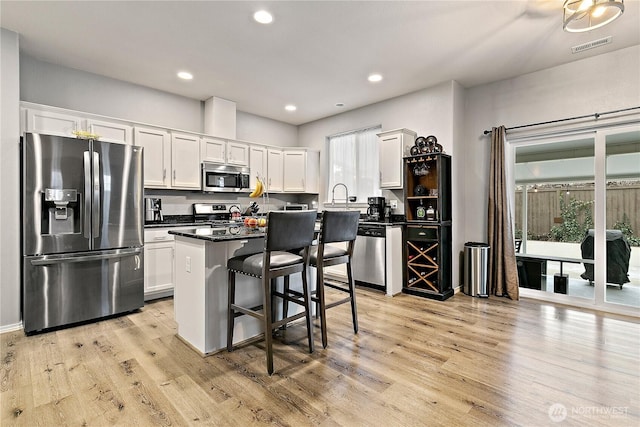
[[414, 362]]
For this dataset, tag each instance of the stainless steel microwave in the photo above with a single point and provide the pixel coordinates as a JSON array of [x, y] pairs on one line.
[[224, 178]]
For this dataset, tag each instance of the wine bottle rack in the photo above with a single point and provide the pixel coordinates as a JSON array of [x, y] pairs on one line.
[[422, 266]]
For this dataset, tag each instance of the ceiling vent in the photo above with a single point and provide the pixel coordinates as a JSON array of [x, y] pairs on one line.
[[591, 44]]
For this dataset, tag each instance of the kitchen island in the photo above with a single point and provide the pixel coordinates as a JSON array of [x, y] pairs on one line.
[[201, 291]]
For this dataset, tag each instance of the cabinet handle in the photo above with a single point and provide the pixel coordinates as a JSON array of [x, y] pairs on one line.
[[161, 238], [422, 233], [302, 180], [174, 174], [269, 182], [164, 174], [380, 178]]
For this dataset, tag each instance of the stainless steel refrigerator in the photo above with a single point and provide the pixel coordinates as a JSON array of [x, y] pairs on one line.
[[82, 230]]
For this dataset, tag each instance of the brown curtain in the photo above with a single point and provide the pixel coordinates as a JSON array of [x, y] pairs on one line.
[[503, 272]]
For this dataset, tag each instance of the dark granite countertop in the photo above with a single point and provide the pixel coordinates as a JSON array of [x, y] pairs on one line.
[[221, 233]]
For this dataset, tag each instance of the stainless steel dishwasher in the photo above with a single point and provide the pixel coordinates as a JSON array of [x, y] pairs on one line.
[[369, 256]]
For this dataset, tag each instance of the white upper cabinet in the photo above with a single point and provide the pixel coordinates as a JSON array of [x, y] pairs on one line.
[[53, 123], [63, 124], [213, 150], [111, 132], [185, 161], [257, 164], [157, 156], [300, 171], [391, 148], [274, 170], [237, 153], [218, 150]]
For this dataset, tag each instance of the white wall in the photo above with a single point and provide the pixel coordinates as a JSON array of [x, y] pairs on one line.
[[10, 258], [50, 84], [45, 83], [594, 85], [250, 127]]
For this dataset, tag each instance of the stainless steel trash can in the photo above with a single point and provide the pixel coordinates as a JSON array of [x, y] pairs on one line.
[[476, 269]]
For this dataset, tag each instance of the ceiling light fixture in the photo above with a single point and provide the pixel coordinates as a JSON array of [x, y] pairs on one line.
[[263, 17], [185, 75], [373, 78], [585, 15], [290, 107]]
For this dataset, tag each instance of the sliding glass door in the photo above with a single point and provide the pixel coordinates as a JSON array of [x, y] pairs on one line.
[[622, 217], [577, 199]]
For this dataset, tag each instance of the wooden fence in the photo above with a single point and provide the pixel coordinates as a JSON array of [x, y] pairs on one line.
[[543, 207]]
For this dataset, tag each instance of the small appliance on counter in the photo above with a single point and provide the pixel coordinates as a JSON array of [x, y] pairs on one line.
[[152, 210], [376, 209]]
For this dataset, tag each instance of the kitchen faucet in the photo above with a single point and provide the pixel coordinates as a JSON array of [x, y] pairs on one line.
[[346, 195]]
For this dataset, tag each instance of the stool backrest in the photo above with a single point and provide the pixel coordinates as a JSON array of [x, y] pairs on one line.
[[339, 226], [288, 230]]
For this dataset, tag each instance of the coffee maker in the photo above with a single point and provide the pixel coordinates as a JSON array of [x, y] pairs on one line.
[[152, 210], [376, 209]]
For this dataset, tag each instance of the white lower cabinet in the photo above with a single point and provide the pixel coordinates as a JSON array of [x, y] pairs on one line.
[[159, 251], [158, 268], [159, 254]]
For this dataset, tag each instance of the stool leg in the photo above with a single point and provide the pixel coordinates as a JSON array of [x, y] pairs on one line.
[[268, 330], [352, 293], [285, 302], [307, 307], [322, 308], [230, 311]]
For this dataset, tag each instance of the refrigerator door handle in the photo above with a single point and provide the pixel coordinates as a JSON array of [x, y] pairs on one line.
[[86, 221], [97, 208], [62, 259]]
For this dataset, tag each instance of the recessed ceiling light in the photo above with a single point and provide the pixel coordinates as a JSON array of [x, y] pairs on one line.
[[290, 107], [185, 75], [375, 78], [263, 17]]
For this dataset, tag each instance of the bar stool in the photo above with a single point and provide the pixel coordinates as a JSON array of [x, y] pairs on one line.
[[286, 231], [337, 226]]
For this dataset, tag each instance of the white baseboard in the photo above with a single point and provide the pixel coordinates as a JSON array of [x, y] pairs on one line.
[[11, 328]]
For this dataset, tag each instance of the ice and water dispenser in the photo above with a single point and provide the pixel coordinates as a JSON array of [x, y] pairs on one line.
[[60, 211]]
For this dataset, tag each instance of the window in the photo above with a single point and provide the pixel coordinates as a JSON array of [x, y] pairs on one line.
[[353, 161]]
